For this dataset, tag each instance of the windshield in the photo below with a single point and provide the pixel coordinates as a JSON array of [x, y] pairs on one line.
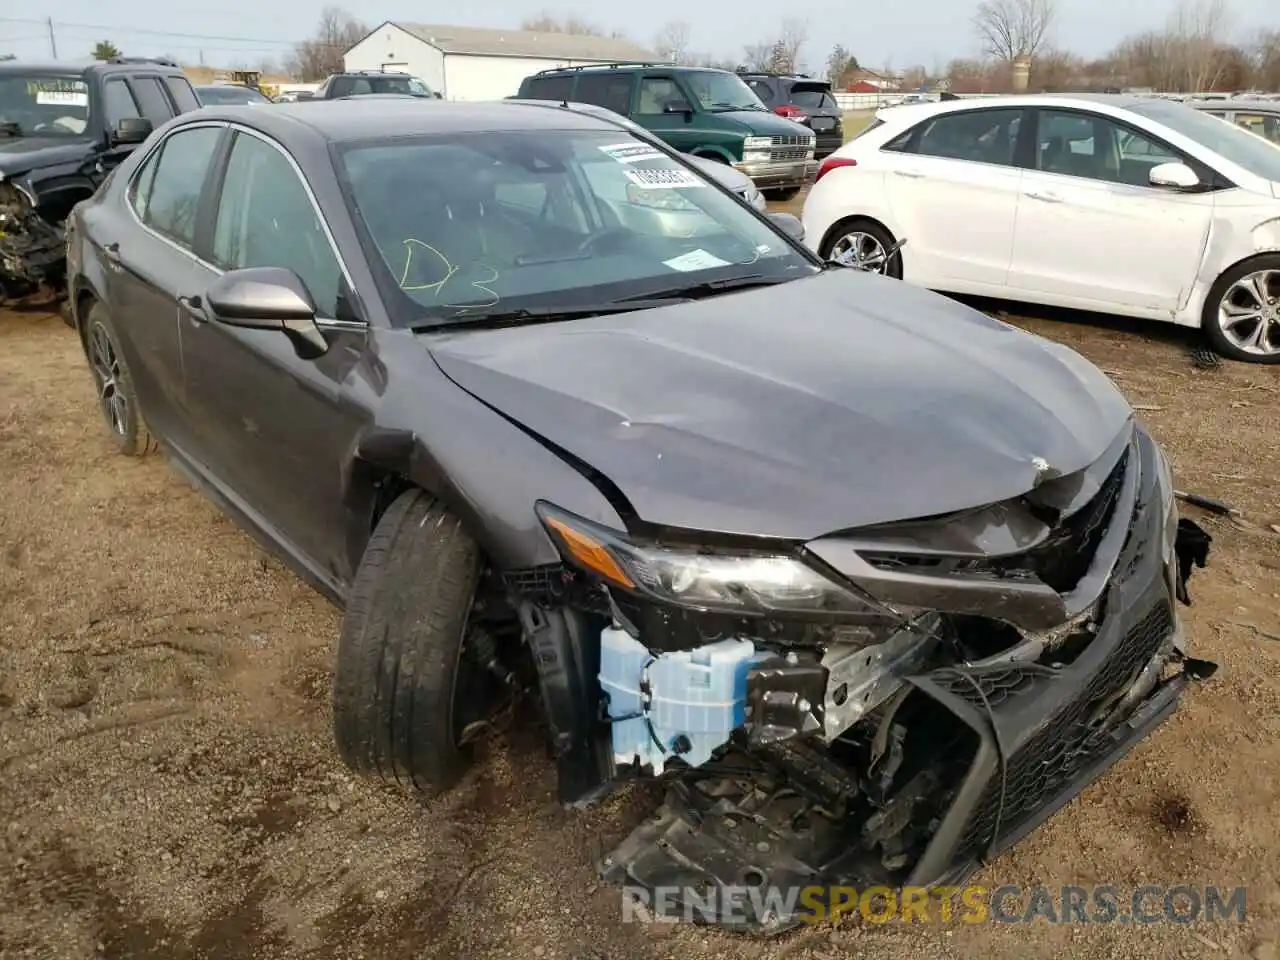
[[229, 94], [44, 105], [1241, 147], [498, 221], [718, 91]]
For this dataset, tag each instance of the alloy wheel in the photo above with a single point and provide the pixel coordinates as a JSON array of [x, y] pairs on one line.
[[1249, 313], [861, 250], [105, 364]]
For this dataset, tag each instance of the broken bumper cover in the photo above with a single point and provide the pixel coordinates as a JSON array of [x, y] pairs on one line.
[[1041, 732], [31, 250], [1043, 737]]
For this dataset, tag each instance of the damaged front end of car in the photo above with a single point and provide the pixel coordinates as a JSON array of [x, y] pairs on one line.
[[31, 247], [886, 706]]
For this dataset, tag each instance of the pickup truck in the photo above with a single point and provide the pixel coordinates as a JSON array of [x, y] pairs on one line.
[[356, 83], [63, 127]]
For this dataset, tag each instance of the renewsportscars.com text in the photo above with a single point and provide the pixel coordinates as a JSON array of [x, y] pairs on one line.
[[1104, 904]]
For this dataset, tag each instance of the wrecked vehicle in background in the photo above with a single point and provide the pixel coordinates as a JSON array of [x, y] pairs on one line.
[[63, 127], [873, 581]]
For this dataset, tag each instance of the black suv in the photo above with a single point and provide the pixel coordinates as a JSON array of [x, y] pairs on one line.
[[804, 100], [358, 83], [63, 127]]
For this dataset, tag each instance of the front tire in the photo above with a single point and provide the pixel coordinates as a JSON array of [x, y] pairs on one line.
[[116, 397], [1241, 318], [863, 243], [400, 651]]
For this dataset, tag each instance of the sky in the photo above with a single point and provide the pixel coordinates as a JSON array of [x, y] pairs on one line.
[[888, 33]]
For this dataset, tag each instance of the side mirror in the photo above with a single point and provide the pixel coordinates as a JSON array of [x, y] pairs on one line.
[[437, 94], [789, 224], [1176, 176], [131, 130], [268, 298], [677, 106]]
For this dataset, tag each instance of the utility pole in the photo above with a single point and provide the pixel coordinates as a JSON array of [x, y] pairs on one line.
[[53, 43]]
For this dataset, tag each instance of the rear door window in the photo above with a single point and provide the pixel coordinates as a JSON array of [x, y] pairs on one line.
[[183, 95], [152, 99], [118, 103], [609, 90], [174, 196], [979, 136], [550, 88]]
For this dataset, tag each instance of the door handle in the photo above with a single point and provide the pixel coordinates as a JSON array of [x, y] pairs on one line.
[[913, 174], [194, 308], [1044, 196], [112, 252]]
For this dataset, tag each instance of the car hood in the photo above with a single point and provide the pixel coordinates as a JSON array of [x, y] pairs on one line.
[[798, 410], [764, 123], [20, 154]]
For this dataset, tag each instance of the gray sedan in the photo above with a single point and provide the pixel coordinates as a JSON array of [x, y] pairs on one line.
[[810, 544]]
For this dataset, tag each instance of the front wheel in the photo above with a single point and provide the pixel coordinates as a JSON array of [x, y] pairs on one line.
[[863, 244], [402, 686], [1241, 316]]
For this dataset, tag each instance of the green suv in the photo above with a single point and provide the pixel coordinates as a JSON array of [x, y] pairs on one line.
[[707, 113]]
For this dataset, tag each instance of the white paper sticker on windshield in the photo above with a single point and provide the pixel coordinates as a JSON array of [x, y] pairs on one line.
[[630, 152], [674, 179], [695, 260], [66, 98]]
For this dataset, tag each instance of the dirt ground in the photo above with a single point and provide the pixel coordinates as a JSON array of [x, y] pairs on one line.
[[168, 788]]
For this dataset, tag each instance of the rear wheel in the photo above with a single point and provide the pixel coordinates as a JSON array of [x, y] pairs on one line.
[[116, 397], [403, 691], [862, 243], [1241, 318]]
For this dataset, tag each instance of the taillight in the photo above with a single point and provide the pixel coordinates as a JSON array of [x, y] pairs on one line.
[[791, 112], [831, 163]]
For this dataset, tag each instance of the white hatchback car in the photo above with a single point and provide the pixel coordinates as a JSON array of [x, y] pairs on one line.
[[1127, 205]]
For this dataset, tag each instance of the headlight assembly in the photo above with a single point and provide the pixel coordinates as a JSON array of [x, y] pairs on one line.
[[741, 583]]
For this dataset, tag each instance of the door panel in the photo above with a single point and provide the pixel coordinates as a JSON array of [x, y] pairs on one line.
[[954, 192], [275, 425], [1089, 230], [147, 256]]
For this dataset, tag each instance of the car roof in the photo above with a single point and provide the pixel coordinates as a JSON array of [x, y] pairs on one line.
[[52, 67], [1236, 103], [369, 117], [1084, 101]]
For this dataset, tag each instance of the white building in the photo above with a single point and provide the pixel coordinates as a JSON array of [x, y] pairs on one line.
[[467, 63]]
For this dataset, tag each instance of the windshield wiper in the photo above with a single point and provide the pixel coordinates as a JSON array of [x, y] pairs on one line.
[[709, 288], [522, 316]]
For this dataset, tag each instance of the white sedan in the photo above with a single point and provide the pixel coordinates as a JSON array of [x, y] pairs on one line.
[[1126, 205]]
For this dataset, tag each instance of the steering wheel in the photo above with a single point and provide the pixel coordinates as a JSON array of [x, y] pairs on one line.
[[590, 244]]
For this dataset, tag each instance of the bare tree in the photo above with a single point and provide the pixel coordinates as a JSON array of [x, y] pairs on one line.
[[791, 41], [839, 62], [1196, 40], [1013, 28], [335, 34], [1266, 62], [671, 43], [756, 56], [549, 23]]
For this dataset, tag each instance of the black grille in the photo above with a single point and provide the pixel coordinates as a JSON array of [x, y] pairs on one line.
[[1065, 556], [1051, 760], [1059, 562]]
